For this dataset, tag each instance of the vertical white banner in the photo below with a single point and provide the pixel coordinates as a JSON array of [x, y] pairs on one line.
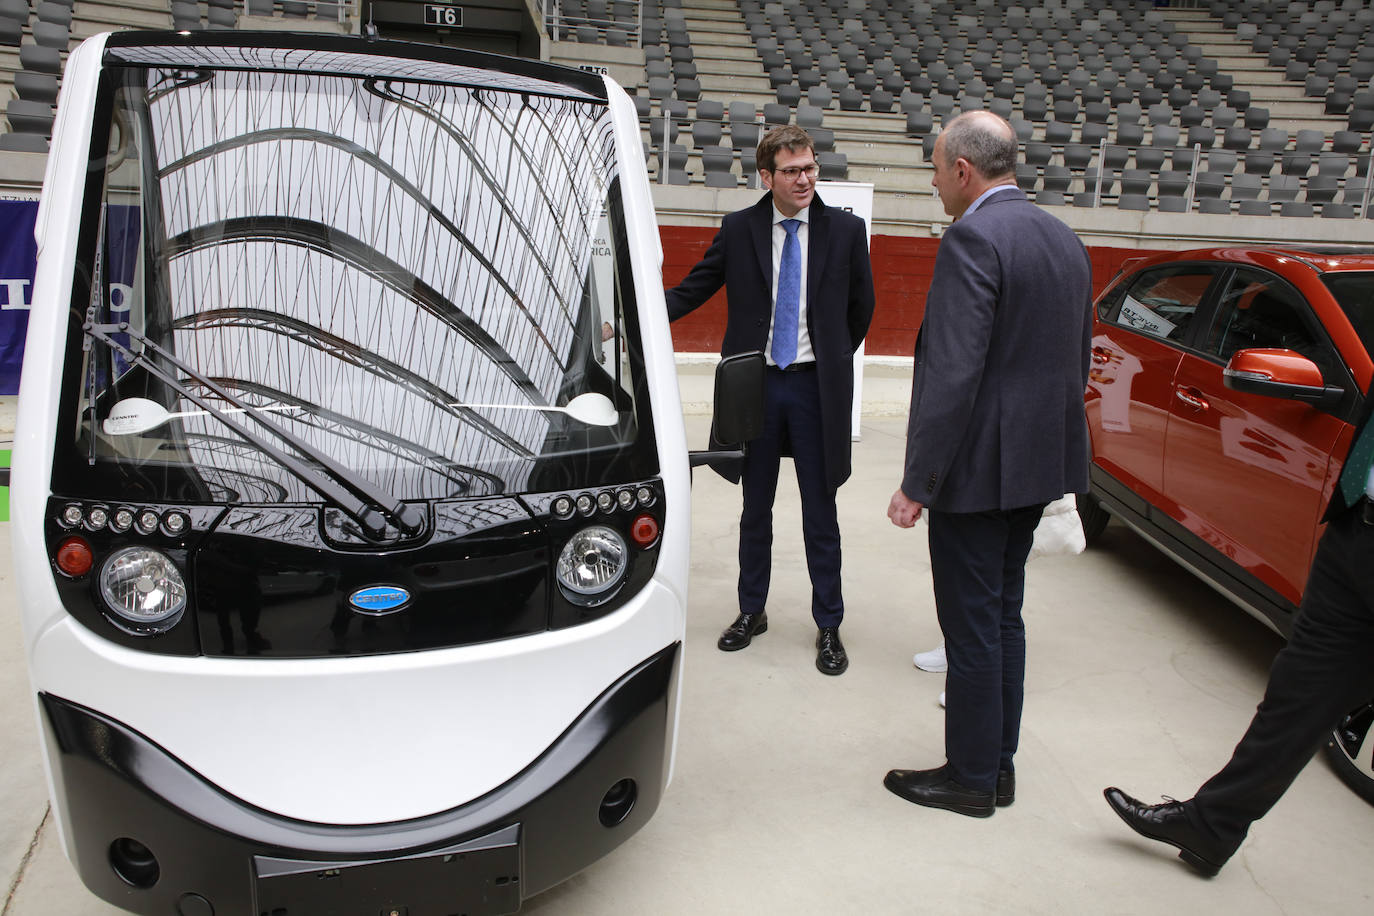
[[855, 197]]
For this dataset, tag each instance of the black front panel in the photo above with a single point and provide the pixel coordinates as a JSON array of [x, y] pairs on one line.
[[295, 581], [483, 873], [268, 583], [81, 594]]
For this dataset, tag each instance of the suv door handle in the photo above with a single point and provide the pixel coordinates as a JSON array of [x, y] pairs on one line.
[[1101, 355], [1192, 397]]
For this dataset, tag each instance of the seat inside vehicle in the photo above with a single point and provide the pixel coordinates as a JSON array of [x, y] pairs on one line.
[[1261, 319]]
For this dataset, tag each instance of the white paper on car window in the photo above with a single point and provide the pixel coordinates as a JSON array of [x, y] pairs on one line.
[[1138, 315]]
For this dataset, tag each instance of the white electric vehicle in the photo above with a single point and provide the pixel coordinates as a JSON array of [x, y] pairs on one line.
[[350, 489]]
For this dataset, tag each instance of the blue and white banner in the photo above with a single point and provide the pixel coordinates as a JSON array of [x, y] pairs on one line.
[[18, 258]]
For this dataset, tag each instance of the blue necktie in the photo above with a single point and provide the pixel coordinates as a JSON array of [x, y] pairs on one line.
[[1355, 475], [789, 297]]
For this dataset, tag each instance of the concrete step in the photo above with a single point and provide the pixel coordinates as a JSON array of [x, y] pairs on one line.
[[725, 58], [888, 180]]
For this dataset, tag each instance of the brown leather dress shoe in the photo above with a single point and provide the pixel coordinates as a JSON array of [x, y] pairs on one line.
[[742, 632], [1169, 823], [830, 655]]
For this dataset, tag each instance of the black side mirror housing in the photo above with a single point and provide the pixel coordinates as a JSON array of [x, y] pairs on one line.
[[738, 414]]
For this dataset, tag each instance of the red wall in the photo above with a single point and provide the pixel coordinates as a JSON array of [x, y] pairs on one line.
[[901, 273]]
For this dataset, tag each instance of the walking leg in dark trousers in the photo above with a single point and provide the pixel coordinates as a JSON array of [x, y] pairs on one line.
[[1322, 673]]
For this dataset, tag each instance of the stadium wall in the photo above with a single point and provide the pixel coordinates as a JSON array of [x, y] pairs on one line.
[[902, 268]]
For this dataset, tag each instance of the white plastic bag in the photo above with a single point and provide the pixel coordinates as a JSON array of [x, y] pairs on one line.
[[1060, 531]]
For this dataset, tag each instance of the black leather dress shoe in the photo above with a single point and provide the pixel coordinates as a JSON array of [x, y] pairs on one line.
[[1006, 788], [935, 789], [1168, 823], [830, 655], [742, 632]]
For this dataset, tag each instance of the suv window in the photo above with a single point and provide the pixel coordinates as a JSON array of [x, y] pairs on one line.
[[1260, 310], [1355, 293], [1161, 303]]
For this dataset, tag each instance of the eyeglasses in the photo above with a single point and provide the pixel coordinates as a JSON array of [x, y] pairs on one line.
[[793, 172]]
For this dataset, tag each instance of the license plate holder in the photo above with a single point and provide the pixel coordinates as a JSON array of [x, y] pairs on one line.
[[479, 877]]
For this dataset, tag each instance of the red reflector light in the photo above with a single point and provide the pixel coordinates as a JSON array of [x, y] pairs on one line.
[[74, 556], [644, 530]]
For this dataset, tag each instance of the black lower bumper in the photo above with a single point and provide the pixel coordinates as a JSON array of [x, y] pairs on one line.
[[150, 835]]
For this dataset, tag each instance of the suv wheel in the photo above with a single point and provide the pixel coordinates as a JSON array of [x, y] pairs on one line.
[[1093, 517], [1351, 751]]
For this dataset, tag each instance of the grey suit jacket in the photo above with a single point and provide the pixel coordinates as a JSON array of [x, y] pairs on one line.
[[1002, 362]]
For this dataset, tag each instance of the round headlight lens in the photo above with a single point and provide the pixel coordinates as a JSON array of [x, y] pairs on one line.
[[143, 588], [592, 564]]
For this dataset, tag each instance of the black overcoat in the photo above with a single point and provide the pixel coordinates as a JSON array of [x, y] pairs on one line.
[[839, 295]]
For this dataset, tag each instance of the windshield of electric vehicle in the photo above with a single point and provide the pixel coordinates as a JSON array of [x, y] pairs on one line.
[[421, 287]]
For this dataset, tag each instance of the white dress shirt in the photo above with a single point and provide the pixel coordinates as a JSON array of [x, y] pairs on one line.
[[995, 189], [804, 351]]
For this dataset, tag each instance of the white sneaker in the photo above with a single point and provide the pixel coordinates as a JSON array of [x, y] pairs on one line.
[[942, 699], [933, 661]]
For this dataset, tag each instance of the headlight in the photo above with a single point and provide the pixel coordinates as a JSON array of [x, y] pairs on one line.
[[143, 588], [592, 564]]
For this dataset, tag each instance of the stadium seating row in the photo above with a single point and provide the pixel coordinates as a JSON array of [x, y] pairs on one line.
[[1087, 86]]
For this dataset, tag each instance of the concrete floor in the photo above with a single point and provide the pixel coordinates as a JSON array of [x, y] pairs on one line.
[[1138, 676]]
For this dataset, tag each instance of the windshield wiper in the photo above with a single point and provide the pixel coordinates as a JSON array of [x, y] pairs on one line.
[[367, 504]]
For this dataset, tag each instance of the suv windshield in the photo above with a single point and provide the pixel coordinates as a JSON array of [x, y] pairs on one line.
[[1355, 293], [426, 282]]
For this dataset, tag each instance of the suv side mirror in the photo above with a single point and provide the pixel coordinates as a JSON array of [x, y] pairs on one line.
[[1280, 374], [738, 407]]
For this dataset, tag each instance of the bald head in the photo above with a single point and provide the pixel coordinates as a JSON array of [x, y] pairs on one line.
[[976, 151], [985, 141]]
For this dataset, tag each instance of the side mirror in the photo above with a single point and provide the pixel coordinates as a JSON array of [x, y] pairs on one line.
[[1281, 374], [739, 398], [738, 408]]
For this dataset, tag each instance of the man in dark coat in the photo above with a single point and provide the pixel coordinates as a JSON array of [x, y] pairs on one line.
[[799, 288], [997, 431]]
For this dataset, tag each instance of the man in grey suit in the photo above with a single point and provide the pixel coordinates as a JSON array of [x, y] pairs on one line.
[[996, 432]]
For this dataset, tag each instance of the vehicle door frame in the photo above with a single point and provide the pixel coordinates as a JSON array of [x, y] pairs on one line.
[[1334, 373], [1203, 315]]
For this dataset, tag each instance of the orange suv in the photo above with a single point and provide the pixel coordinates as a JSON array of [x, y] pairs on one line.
[[1224, 388]]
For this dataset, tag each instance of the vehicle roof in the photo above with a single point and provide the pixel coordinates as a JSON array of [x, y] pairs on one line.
[[349, 55], [1321, 258]]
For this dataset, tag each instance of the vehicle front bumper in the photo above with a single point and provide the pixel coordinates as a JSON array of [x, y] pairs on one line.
[[215, 854]]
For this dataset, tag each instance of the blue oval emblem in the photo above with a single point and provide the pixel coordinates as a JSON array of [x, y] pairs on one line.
[[379, 599]]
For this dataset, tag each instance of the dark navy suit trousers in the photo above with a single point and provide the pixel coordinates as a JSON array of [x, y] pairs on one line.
[[792, 424], [978, 567]]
